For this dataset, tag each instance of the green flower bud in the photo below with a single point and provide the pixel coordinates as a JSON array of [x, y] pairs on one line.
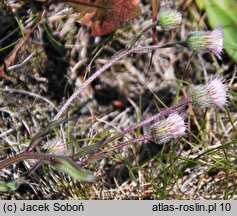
[[169, 19]]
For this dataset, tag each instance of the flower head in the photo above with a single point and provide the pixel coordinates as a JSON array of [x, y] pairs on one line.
[[207, 41], [170, 128], [56, 146], [214, 93], [169, 19]]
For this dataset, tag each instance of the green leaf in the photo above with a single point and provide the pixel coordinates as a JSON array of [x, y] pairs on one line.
[[200, 4], [89, 149], [11, 186], [224, 12], [64, 165], [4, 187], [49, 128]]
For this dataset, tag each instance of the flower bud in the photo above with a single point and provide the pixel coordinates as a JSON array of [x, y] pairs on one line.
[[169, 19], [214, 93], [206, 41], [170, 128]]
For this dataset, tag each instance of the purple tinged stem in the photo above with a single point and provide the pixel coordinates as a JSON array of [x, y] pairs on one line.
[[25, 156], [138, 125], [49, 157], [118, 146], [167, 111], [114, 59]]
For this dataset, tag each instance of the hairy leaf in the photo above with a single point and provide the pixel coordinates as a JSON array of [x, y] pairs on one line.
[[11, 186], [89, 149], [69, 167], [48, 129]]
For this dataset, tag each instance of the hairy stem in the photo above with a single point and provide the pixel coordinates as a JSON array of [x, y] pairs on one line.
[[25, 156], [114, 59], [118, 146], [167, 111], [137, 37]]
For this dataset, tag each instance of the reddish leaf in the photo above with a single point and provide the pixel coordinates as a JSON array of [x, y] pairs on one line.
[[105, 16]]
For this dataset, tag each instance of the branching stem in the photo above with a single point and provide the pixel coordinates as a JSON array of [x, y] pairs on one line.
[[118, 146]]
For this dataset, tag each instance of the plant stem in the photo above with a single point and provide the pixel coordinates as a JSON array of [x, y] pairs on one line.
[[25, 156], [167, 111], [118, 146], [114, 59], [41, 156], [137, 37]]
